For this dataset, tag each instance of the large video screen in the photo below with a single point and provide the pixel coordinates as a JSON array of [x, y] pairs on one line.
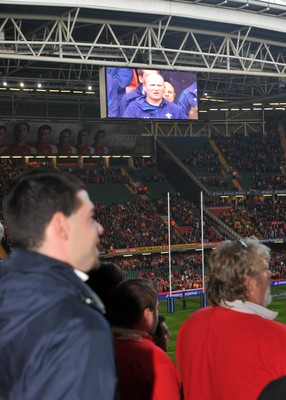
[[149, 94]]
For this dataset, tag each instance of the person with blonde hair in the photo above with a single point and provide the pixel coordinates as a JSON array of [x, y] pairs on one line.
[[224, 350]]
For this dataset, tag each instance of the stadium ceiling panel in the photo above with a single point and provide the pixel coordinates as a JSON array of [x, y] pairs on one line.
[[237, 47]]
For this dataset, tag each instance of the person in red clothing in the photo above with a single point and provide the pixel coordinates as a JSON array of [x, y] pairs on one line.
[[64, 146], [99, 148], [43, 145], [83, 147], [145, 371], [20, 146], [233, 349]]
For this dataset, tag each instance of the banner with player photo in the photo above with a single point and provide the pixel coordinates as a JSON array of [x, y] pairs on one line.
[[56, 139]]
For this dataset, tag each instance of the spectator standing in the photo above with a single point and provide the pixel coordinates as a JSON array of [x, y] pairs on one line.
[[145, 371], [224, 351], [104, 280], [162, 334], [54, 342]]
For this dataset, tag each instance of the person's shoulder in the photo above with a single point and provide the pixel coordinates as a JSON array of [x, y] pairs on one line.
[[200, 315], [274, 326], [135, 106]]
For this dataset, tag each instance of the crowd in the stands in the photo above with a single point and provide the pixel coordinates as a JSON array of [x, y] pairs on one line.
[[261, 157], [185, 268], [143, 222]]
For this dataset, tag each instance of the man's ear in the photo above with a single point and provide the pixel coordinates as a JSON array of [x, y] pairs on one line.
[[250, 284], [60, 226], [148, 314]]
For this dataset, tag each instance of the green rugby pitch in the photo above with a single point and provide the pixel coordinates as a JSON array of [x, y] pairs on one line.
[[175, 320]]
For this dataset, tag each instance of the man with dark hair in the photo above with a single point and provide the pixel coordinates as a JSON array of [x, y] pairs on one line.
[[64, 146], [223, 351], [145, 371], [83, 147], [43, 145], [162, 334], [104, 280], [98, 143], [20, 146], [54, 342]]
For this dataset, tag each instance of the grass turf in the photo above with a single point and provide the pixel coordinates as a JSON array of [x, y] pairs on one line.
[[175, 320]]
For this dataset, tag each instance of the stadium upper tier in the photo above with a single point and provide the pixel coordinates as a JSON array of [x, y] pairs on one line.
[[236, 47]]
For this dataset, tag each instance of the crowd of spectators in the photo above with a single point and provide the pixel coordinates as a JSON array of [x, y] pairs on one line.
[[186, 214], [142, 223], [259, 156], [205, 158], [135, 223], [260, 216], [186, 268], [94, 176]]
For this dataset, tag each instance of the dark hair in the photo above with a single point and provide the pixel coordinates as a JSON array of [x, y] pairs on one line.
[[159, 331], [98, 134], [3, 127], [61, 136], [79, 135], [34, 197], [104, 280], [274, 390], [17, 127], [129, 300], [40, 132]]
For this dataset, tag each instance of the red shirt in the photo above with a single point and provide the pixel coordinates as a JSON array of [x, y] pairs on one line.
[[229, 355], [45, 148], [19, 150], [145, 371]]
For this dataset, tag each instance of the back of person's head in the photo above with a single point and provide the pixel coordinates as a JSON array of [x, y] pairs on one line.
[[129, 301], [275, 390], [32, 200], [229, 266], [104, 280]]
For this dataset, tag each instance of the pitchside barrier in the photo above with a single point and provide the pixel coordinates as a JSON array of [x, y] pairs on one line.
[[179, 294]]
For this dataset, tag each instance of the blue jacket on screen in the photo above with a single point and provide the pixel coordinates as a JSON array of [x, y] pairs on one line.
[[140, 108], [129, 97], [54, 342], [189, 98]]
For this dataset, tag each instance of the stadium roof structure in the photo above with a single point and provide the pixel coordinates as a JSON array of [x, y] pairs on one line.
[[237, 47]]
